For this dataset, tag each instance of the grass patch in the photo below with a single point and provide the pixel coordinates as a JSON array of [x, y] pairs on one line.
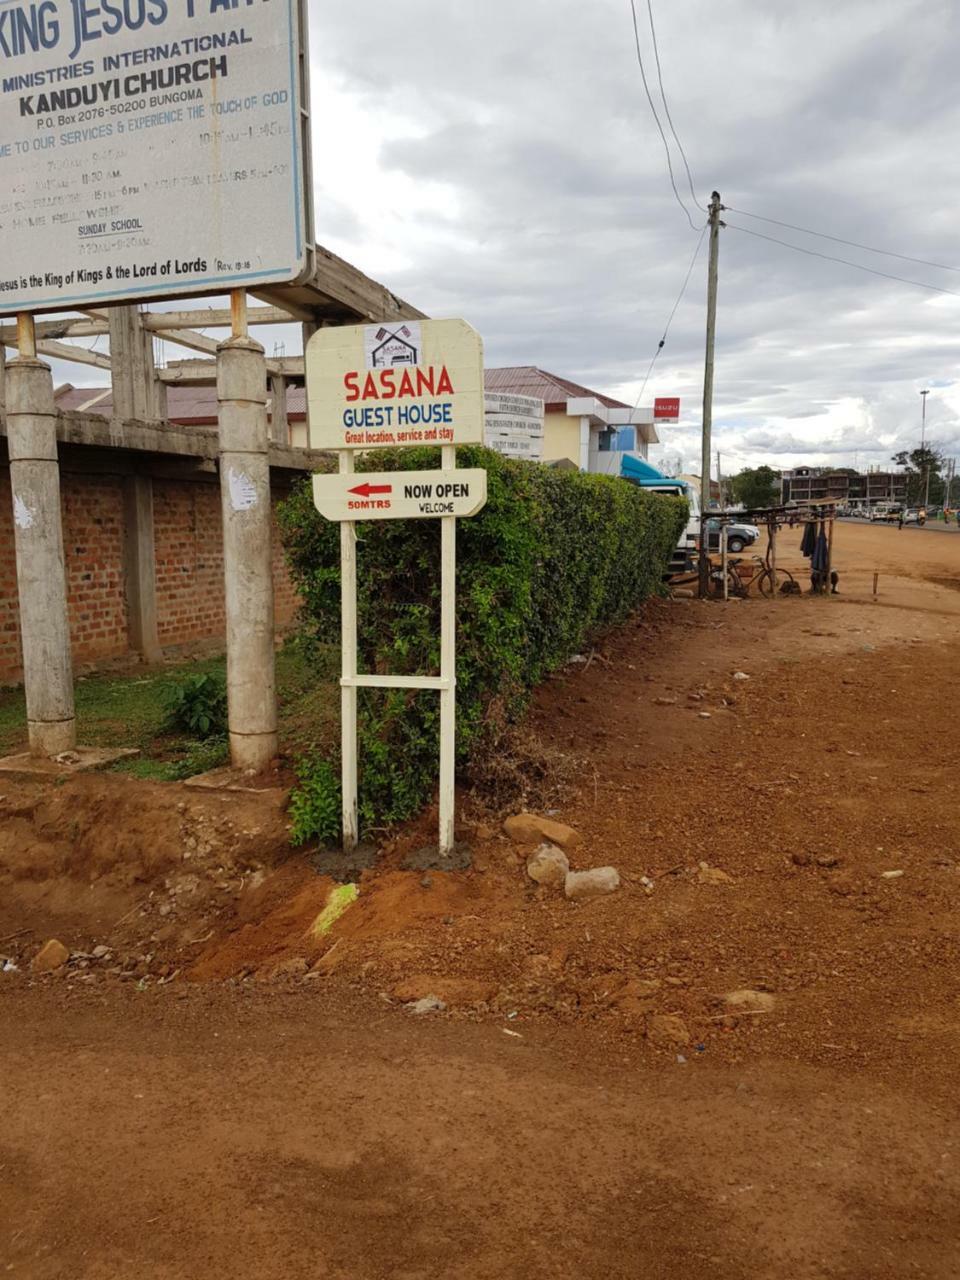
[[131, 710]]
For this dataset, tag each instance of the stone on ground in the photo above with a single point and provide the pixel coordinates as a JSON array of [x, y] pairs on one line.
[[52, 955], [667, 1031], [548, 865], [713, 875], [581, 886], [429, 1004], [455, 992], [749, 1001], [525, 828]]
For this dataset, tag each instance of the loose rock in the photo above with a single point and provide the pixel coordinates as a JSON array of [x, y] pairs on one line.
[[429, 1004], [581, 886], [452, 992], [750, 1001], [548, 865], [712, 875], [52, 955], [101, 952], [667, 1030], [525, 828]]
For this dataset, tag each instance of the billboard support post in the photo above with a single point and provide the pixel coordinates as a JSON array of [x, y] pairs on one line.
[[247, 546], [38, 536]]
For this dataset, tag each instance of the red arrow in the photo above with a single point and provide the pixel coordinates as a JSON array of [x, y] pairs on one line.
[[365, 490]]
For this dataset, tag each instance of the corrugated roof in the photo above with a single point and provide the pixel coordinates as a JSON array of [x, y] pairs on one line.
[[554, 391], [197, 406]]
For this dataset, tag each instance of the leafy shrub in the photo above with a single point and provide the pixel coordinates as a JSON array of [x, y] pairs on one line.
[[197, 706], [551, 557], [315, 805]]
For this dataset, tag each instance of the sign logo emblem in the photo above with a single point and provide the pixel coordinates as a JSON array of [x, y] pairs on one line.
[[389, 348]]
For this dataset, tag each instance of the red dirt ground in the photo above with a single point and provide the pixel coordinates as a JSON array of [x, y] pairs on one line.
[[588, 1106]]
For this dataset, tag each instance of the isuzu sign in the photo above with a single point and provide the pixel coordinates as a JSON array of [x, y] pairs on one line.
[[410, 382], [666, 409], [149, 148]]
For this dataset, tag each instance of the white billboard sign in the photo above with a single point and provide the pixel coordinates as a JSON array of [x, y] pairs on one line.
[[400, 495], [412, 382], [515, 444], [513, 406], [149, 148], [514, 426]]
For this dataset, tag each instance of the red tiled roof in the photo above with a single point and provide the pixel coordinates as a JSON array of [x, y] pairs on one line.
[[197, 406]]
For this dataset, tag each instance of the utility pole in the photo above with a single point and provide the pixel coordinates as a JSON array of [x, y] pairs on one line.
[[723, 505], [923, 436], [715, 209]]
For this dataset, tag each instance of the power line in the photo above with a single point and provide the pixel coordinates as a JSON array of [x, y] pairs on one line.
[[676, 305], [666, 145], [663, 95], [854, 244], [858, 266]]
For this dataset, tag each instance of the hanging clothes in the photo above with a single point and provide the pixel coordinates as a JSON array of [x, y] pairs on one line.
[[809, 543], [820, 552]]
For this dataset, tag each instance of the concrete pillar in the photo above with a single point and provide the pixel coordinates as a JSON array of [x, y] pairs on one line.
[[41, 574], [584, 459], [279, 418], [137, 391], [140, 568], [3, 379], [247, 552]]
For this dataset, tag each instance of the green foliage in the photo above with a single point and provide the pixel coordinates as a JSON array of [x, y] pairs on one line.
[[923, 468], [756, 487], [315, 804], [551, 557], [198, 706]]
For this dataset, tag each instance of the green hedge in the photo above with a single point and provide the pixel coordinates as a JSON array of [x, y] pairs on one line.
[[552, 556]]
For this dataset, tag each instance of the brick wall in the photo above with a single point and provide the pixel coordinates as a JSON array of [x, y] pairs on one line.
[[92, 510], [10, 659], [189, 549], [189, 567]]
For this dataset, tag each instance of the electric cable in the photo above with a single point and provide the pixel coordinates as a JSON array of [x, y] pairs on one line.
[[858, 266], [676, 306], [854, 244], [666, 145], [663, 95]]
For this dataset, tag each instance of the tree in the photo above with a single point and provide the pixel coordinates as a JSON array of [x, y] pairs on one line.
[[916, 463], [756, 487]]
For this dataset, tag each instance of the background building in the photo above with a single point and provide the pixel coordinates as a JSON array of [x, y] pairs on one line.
[[812, 484]]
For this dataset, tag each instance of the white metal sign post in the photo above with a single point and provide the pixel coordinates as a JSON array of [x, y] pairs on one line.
[[375, 386]]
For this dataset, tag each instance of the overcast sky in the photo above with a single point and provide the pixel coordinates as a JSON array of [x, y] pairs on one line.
[[497, 159]]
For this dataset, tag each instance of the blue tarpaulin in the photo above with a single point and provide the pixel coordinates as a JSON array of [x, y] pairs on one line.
[[643, 474]]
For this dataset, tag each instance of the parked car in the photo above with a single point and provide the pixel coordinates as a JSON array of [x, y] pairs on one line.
[[885, 514], [739, 536], [915, 515]]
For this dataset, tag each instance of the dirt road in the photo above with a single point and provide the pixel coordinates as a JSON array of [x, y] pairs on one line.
[[588, 1106]]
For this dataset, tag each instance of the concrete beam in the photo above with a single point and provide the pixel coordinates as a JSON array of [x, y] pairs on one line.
[[211, 318], [78, 355], [169, 439]]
